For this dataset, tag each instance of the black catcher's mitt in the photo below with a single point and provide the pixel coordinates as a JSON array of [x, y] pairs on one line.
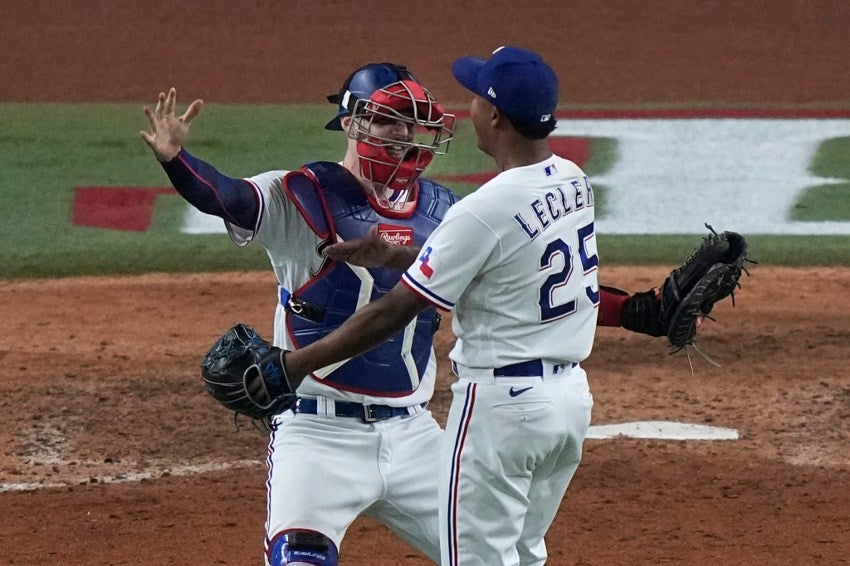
[[246, 374], [709, 275]]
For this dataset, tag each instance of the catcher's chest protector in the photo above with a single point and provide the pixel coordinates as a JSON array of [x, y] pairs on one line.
[[333, 203]]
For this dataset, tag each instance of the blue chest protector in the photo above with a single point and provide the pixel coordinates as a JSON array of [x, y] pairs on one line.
[[334, 204]]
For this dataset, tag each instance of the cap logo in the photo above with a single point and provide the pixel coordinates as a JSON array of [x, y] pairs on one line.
[[491, 92], [545, 117], [345, 98]]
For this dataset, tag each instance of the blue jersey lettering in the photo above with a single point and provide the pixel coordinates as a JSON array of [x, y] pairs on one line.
[[525, 228]]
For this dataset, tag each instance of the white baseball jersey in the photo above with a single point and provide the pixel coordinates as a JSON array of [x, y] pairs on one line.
[[517, 262]]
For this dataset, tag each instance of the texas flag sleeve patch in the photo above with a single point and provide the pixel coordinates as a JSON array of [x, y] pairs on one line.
[[419, 275], [424, 265]]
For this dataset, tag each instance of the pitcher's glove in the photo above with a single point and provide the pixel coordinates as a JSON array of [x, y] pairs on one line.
[[709, 275], [246, 374]]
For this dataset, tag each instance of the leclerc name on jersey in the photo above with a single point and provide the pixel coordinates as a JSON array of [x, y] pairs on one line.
[[555, 204]]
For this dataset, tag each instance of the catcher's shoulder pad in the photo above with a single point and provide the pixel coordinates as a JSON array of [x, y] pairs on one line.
[[303, 191]]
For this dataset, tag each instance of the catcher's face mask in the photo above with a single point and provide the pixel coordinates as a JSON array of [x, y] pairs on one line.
[[398, 130]]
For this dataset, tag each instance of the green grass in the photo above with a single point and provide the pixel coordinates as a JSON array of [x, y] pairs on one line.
[[832, 159], [463, 157], [823, 202], [603, 155], [47, 150], [827, 202], [766, 250]]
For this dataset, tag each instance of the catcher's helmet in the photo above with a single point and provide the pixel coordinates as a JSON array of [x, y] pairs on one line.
[[382, 93], [361, 84]]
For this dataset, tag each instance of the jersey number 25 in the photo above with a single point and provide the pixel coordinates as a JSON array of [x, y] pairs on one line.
[[548, 310]]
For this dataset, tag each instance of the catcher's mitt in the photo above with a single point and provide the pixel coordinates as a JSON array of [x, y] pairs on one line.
[[709, 275], [246, 374]]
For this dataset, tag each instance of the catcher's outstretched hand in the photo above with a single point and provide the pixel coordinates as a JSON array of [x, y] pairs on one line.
[[168, 132], [373, 251]]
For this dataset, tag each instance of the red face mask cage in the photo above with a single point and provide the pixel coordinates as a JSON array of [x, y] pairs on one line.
[[398, 129]]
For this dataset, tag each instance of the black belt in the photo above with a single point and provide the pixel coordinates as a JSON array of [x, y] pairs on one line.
[[531, 367], [366, 413]]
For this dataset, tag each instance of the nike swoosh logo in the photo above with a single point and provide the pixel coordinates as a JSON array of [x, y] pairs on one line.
[[514, 391]]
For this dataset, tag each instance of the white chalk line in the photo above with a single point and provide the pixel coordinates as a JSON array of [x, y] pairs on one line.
[[50, 449], [662, 430], [131, 476]]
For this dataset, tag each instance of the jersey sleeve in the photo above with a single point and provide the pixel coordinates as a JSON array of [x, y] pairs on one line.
[[281, 229], [268, 189], [451, 257], [204, 187]]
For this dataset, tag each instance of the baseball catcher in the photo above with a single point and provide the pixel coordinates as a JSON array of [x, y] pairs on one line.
[[391, 126], [708, 275], [245, 373]]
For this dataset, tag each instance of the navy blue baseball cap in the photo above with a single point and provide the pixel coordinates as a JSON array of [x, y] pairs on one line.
[[362, 83], [516, 81]]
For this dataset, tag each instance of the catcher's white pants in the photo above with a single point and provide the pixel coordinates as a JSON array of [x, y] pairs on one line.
[[325, 471], [507, 461]]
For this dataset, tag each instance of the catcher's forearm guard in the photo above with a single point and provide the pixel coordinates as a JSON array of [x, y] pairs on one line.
[[246, 374]]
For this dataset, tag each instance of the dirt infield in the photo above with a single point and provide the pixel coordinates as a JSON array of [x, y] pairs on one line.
[[110, 452], [102, 398]]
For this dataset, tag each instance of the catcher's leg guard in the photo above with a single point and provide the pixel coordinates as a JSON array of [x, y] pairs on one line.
[[302, 548]]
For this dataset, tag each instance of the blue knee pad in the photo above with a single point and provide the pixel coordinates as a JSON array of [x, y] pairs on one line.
[[302, 548]]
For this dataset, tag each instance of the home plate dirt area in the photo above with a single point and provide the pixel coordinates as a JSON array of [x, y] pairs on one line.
[[112, 453]]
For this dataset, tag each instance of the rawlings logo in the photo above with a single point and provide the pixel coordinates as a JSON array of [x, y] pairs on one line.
[[398, 235]]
